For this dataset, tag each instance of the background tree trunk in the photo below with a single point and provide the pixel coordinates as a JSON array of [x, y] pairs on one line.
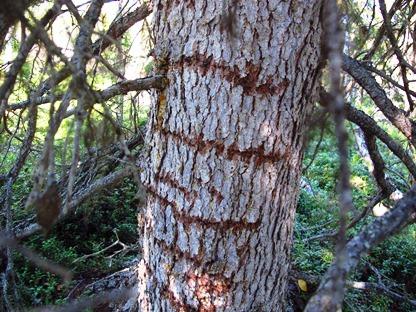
[[225, 147]]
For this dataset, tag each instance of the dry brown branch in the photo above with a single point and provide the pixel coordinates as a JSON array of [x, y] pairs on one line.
[[396, 116], [404, 65], [379, 230]]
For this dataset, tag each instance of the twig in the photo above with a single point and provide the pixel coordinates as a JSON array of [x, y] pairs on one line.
[[125, 249]]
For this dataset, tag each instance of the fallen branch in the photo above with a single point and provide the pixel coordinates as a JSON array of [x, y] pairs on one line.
[[89, 303], [97, 186], [125, 248]]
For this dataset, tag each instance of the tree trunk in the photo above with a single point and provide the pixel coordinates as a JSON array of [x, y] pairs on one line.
[[225, 147]]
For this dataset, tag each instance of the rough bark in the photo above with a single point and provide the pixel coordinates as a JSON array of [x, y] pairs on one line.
[[225, 146]]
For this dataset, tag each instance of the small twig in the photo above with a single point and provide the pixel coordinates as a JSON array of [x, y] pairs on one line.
[[125, 249]]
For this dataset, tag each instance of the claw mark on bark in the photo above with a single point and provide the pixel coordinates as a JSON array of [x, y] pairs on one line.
[[219, 225], [169, 179], [232, 152], [249, 82]]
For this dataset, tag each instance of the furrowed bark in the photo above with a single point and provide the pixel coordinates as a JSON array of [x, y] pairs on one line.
[[225, 146]]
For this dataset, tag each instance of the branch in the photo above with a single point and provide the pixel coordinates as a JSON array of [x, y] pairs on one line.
[[334, 43], [396, 115], [35, 258], [125, 249], [386, 77], [357, 218], [94, 188], [380, 33], [9, 14], [378, 165], [88, 170], [402, 62], [84, 304], [11, 76], [122, 87], [125, 277], [382, 228], [379, 286], [118, 28], [80, 88], [369, 126]]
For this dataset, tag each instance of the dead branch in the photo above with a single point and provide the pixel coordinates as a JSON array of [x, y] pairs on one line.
[[403, 64], [122, 87], [396, 115], [117, 295], [113, 179], [124, 249], [369, 126], [6, 87], [116, 31], [393, 221]]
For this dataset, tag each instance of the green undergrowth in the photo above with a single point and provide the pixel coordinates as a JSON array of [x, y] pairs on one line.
[[93, 225], [317, 214], [394, 259], [89, 230]]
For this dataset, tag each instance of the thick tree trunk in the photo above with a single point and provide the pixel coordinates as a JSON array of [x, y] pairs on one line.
[[225, 147]]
